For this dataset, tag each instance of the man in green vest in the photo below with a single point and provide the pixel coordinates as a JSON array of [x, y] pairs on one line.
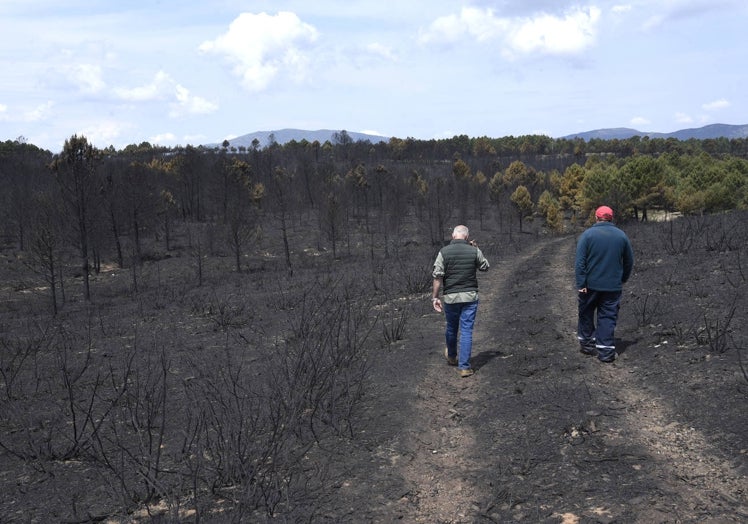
[[455, 274]]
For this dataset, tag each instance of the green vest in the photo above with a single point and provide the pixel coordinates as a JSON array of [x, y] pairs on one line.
[[460, 265]]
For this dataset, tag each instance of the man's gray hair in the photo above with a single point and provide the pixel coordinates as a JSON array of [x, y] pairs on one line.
[[461, 231]]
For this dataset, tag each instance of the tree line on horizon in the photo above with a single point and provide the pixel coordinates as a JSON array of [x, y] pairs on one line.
[[523, 145]]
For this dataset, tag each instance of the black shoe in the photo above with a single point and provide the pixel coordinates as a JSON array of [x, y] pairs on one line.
[[588, 350], [610, 359]]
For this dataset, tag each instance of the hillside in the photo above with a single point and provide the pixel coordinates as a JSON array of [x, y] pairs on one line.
[[700, 133], [283, 136]]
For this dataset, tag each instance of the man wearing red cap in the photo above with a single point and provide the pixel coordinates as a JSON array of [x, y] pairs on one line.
[[604, 261]]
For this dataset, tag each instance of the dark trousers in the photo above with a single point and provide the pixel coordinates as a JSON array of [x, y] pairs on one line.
[[598, 313]]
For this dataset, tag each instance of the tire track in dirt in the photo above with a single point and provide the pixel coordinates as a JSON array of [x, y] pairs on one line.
[[618, 430], [680, 459], [543, 432], [448, 466]]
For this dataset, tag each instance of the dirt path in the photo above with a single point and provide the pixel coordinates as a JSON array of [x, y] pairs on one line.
[[541, 432], [449, 435]]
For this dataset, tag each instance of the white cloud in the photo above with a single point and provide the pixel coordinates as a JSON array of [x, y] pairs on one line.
[[716, 104], [190, 104], [550, 34], [640, 121], [664, 14], [480, 24], [194, 139], [622, 8], [87, 77], [445, 134], [653, 22], [382, 51], [372, 132], [39, 113], [158, 89], [683, 118], [104, 133], [163, 139], [163, 87], [543, 33], [262, 46]]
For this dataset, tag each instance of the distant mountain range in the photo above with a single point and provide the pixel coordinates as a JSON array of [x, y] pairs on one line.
[[283, 136], [699, 133]]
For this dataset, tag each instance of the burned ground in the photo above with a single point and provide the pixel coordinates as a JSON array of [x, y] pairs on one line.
[[180, 403], [543, 433]]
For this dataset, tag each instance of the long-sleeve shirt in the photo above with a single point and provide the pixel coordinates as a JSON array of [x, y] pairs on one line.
[[604, 258]]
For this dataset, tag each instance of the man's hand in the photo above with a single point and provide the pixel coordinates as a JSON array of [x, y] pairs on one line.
[[437, 304]]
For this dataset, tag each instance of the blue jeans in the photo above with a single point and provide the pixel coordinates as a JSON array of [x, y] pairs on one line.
[[604, 305], [460, 320]]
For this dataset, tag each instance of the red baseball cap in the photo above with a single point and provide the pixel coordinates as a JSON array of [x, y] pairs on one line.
[[604, 213]]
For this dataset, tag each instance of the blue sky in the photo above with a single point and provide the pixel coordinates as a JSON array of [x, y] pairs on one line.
[[178, 72]]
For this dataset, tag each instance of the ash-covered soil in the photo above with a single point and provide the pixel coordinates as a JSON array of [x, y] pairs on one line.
[[542, 433]]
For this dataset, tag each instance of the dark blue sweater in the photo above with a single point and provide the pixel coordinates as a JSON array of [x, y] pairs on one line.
[[604, 258]]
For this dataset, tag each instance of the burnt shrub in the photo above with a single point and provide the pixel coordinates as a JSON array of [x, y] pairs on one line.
[[259, 406], [717, 328], [647, 309]]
